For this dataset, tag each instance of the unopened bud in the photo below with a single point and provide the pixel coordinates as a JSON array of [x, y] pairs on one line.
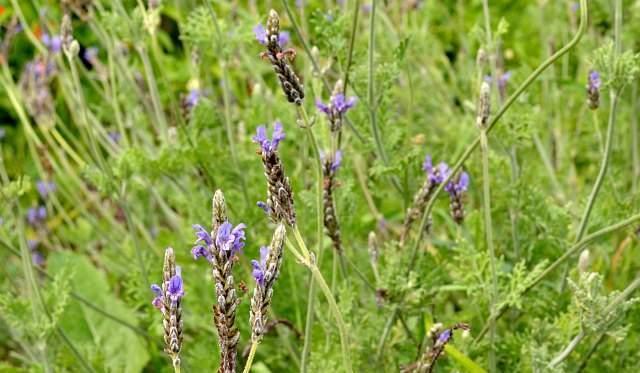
[[584, 260], [484, 106]]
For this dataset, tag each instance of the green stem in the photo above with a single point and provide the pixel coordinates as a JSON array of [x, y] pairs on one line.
[[603, 167], [252, 354], [567, 350], [486, 190], [309, 261], [319, 226]]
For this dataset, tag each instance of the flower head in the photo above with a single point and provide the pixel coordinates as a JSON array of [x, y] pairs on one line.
[[45, 188], [269, 145], [455, 188], [260, 267], [230, 239], [261, 36], [202, 243], [53, 43], [36, 215], [437, 174], [594, 80], [593, 89], [158, 300], [337, 106], [175, 290], [445, 336]]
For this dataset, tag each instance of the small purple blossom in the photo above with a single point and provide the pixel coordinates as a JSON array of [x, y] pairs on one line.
[[337, 106], [37, 258], [267, 145], [261, 36], [114, 136], [230, 239], [437, 174], [45, 188], [455, 188], [260, 267], [192, 98], [264, 207], [175, 289], [91, 55], [36, 215], [199, 250], [445, 337], [158, 300], [53, 43], [337, 161], [594, 81]]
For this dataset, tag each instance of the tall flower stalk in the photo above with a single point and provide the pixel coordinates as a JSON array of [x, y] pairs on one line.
[[168, 299], [219, 248], [265, 272]]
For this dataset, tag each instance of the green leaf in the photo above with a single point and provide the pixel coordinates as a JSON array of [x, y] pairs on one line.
[[107, 343]]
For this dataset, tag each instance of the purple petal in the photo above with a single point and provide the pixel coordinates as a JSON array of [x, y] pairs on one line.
[[283, 38], [444, 337], [264, 207], [156, 289], [157, 302], [323, 107], [337, 161], [261, 34], [427, 165]]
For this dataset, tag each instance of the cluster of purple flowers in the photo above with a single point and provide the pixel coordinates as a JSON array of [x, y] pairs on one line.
[[53, 43], [229, 239], [439, 173], [36, 215], [175, 291], [261, 36], [335, 109], [269, 145], [45, 188]]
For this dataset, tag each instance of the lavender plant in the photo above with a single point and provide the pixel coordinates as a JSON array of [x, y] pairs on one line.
[[118, 119]]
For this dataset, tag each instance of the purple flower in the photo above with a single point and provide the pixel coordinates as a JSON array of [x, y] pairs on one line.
[[261, 36], [37, 258], [53, 43], [503, 80], [203, 236], [158, 300], [45, 188], [337, 161], [192, 99], [91, 55], [594, 80], [437, 174], [230, 239], [444, 337], [337, 106], [114, 136], [260, 267], [264, 207], [36, 215], [455, 188], [175, 289], [269, 146]]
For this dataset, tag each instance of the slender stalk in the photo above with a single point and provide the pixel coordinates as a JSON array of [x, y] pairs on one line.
[[593, 349], [570, 252], [488, 227], [603, 166], [309, 261], [252, 354], [567, 350], [352, 40], [319, 226], [635, 139]]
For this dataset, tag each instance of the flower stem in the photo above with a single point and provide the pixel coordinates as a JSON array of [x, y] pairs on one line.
[[603, 167], [309, 261], [319, 226], [488, 228], [567, 350], [252, 354]]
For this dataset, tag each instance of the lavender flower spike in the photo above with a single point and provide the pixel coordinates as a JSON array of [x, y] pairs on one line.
[[266, 272], [168, 297], [434, 177], [456, 189], [337, 107], [593, 89], [279, 204]]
